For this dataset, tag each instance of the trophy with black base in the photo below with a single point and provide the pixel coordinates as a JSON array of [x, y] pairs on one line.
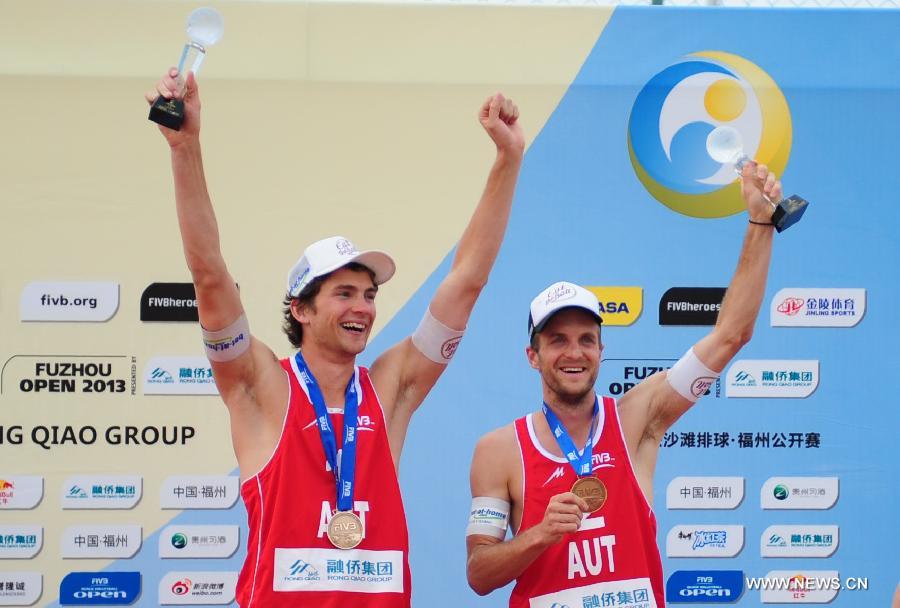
[[204, 28], [725, 145]]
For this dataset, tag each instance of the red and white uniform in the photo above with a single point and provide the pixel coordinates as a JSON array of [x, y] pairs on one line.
[[613, 559], [290, 561]]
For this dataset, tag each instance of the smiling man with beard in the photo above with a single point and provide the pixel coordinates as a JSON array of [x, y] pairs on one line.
[[574, 480]]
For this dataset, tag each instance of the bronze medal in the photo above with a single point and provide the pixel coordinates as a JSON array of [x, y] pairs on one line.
[[592, 491], [345, 530]]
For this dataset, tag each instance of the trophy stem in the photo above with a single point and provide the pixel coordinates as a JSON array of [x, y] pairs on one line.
[[192, 57], [740, 161]]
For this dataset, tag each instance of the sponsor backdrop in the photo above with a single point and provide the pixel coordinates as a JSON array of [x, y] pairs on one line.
[[117, 481]]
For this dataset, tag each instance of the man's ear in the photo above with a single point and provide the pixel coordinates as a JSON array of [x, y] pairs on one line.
[[300, 311], [532, 357]]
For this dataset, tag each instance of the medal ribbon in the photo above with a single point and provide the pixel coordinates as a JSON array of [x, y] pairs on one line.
[[345, 470], [580, 462]]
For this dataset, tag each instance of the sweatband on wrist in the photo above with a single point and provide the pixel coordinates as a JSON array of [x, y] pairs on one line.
[[690, 377], [435, 340]]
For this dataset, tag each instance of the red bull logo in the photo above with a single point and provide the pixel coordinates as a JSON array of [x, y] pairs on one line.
[[6, 485]]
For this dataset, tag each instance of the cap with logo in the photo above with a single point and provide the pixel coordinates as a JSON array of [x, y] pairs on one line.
[[557, 297], [333, 253]]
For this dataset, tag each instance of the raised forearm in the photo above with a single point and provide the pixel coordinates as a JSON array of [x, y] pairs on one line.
[[491, 566], [196, 218], [481, 240], [748, 285]]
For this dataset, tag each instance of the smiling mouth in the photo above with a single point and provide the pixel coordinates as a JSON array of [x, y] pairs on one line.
[[572, 370], [356, 328]]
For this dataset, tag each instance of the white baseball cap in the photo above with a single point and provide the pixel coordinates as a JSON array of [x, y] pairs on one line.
[[332, 253], [557, 297]]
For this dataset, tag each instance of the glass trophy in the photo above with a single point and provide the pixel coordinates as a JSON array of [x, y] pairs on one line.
[[204, 28], [725, 146]]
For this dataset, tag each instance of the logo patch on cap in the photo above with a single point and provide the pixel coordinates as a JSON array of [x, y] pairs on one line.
[[561, 292], [345, 247]]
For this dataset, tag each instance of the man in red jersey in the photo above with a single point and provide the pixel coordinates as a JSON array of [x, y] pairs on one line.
[[574, 481], [317, 438]]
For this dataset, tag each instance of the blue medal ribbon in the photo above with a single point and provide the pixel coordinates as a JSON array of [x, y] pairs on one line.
[[345, 470], [581, 463]]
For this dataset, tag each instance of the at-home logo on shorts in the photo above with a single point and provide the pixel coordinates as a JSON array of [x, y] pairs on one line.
[[705, 586], [676, 111], [619, 305], [100, 589], [68, 301]]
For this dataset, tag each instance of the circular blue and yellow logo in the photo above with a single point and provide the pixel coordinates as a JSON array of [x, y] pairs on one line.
[[678, 108]]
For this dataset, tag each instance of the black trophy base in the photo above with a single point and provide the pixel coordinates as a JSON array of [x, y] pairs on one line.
[[167, 112], [788, 212]]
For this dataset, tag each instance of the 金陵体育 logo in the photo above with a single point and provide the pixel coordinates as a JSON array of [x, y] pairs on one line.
[[678, 108]]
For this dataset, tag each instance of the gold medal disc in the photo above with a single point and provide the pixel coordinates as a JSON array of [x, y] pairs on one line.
[[592, 490], [345, 530]]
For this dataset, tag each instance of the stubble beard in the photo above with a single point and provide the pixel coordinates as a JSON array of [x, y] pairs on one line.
[[572, 398]]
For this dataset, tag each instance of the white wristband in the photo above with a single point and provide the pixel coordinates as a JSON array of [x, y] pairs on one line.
[[229, 343], [690, 377], [489, 516], [435, 340]]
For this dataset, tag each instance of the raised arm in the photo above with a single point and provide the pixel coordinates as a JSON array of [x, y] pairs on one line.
[[652, 407], [492, 561], [218, 300], [404, 375]]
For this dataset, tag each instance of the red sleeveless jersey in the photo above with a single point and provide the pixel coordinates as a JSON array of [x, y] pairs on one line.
[[613, 559], [290, 561]]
